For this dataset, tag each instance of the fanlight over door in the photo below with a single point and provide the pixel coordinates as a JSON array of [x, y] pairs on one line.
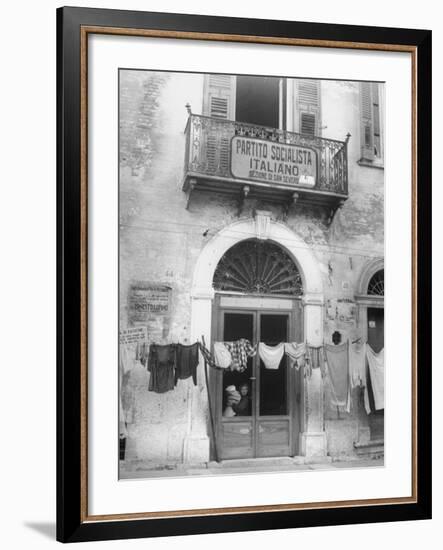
[[258, 267], [376, 286]]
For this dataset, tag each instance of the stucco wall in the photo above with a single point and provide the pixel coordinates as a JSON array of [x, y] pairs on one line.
[[160, 241]]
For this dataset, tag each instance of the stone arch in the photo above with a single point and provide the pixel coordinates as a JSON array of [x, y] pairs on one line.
[[247, 229], [367, 273]]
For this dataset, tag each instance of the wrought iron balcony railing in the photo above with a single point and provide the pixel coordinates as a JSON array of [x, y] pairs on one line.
[[210, 148]]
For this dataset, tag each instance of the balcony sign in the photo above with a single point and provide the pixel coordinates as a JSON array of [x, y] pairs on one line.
[[273, 162]]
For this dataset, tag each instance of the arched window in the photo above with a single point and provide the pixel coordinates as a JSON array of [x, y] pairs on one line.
[[376, 285], [258, 267]]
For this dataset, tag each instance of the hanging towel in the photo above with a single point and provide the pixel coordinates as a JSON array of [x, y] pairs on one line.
[[271, 355], [376, 362], [296, 353], [357, 364], [338, 370], [187, 361], [222, 355], [161, 365], [240, 351]]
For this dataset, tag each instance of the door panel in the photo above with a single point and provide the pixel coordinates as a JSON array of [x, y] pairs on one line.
[[237, 425], [274, 437], [237, 439], [273, 383]]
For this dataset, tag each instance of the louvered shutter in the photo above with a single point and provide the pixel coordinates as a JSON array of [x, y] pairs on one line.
[[308, 106], [219, 96], [218, 103], [366, 122]]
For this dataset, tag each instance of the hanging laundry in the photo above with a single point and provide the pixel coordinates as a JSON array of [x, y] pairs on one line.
[[121, 419], [296, 353], [187, 361], [315, 359], [357, 364], [127, 358], [271, 355], [240, 351], [161, 365], [338, 370], [143, 353], [222, 355], [208, 357], [376, 362]]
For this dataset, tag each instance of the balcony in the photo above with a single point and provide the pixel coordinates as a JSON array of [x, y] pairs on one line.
[[247, 160]]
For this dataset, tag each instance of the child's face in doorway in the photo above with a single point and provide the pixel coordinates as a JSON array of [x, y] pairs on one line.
[[244, 390]]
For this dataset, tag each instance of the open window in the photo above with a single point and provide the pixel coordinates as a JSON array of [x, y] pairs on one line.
[[265, 101]]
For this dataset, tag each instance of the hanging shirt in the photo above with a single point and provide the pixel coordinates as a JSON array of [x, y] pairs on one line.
[[186, 362], [271, 355], [240, 351], [376, 362], [161, 365], [338, 370], [222, 355], [296, 353], [357, 364]]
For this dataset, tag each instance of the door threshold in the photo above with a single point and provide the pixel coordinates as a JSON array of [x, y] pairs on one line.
[[270, 461]]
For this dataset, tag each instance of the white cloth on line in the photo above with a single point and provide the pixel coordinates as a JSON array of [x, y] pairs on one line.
[[376, 362], [222, 355], [271, 355], [357, 364], [296, 353]]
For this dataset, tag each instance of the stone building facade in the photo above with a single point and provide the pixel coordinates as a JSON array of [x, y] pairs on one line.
[[184, 205]]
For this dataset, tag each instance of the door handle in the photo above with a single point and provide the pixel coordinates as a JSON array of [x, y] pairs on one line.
[[252, 378]]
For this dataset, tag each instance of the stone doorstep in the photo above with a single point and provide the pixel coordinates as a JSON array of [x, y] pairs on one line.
[[374, 448], [362, 450], [269, 461], [140, 465]]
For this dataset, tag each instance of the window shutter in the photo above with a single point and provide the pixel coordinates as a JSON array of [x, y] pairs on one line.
[[366, 122], [376, 119], [218, 103], [308, 106], [219, 96], [307, 123]]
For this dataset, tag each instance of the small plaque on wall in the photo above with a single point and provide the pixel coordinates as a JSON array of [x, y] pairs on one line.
[[147, 300]]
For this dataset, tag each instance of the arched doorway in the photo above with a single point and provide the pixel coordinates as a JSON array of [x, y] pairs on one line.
[[258, 298], [204, 322], [370, 301]]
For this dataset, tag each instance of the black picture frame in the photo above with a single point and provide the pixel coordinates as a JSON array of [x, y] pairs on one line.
[[72, 522]]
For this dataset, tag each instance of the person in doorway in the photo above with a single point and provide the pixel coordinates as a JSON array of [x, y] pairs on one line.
[[243, 407], [232, 398]]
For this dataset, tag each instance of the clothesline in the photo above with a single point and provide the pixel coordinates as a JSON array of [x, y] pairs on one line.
[[344, 363]]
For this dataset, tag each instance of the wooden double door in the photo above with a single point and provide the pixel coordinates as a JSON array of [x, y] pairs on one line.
[[265, 422]]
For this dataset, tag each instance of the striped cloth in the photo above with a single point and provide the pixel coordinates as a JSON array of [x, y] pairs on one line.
[[240, 351]]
